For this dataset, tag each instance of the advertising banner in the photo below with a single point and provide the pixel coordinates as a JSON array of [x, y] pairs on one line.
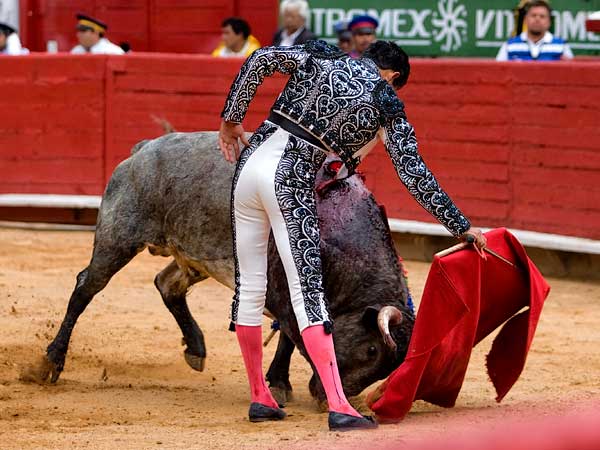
[[453, 27]]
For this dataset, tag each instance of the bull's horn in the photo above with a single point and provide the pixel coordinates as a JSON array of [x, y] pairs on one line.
[[388, 315]]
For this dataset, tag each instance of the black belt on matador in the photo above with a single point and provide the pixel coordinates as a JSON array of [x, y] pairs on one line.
[[295, 129]]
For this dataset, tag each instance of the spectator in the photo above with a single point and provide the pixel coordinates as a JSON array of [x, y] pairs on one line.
[[90, 34], [536, 43], [237, 40], [344, 36], [294, 14], [364, 29], [10, 44]]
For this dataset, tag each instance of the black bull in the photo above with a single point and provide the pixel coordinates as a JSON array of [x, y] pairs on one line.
[[173, 195]]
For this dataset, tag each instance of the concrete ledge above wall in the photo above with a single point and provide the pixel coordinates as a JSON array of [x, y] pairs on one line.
[[555, 255]]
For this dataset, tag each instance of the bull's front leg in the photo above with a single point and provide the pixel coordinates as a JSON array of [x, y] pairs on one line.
[[89, 283], [278, 375], [107, 259]]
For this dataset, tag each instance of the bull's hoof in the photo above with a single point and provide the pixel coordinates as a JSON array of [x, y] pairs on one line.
[[194, 361], [40, 371], [56, 359], [281, 395], [322, 405]]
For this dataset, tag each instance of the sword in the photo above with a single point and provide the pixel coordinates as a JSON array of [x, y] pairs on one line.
[[470, 240], [500, 257], [274, 329], [269, 337]]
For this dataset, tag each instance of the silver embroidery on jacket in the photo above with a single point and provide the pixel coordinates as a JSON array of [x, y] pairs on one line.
[[344, 102]]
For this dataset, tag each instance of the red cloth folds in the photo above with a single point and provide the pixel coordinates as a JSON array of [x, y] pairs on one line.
[[466, 298]]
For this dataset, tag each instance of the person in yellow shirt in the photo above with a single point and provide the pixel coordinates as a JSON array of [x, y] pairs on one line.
[[237, 40]]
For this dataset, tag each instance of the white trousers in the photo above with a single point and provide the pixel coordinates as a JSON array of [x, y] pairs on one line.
[[274, 190]]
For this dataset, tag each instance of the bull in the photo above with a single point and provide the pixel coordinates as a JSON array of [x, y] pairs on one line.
[[172, 196]]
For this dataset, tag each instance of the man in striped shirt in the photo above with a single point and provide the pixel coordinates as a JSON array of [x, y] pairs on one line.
[[536, 43]]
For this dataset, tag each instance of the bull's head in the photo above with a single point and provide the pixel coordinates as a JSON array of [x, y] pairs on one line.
[[364, 281], [369, 346]]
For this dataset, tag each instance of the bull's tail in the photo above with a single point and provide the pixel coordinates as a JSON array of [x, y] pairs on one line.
[[164, 124]]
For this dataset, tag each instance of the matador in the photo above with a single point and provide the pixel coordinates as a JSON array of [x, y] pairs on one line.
[[330, 104]]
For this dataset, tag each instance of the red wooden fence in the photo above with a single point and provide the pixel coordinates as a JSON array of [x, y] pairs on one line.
[[515, 145]]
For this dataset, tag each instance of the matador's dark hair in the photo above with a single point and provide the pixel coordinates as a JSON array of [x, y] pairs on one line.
[[238, 26], [388, 55]]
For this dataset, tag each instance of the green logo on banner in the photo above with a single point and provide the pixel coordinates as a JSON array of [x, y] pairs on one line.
[[449, 25], [453, 27]]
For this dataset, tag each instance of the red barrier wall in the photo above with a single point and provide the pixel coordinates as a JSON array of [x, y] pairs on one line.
[[179, 26], [187, 91], [52, 112], [515, 145]]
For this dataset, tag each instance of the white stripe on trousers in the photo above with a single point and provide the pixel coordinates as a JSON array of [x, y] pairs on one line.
[[256, 212]]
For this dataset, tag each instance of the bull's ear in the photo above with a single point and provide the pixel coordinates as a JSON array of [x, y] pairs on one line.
[[369, 317]]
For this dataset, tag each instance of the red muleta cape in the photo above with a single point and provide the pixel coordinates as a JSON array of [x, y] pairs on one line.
[[466, 298]]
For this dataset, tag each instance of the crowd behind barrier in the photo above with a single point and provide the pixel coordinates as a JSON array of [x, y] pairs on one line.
[[514, 144], [146, 25], [183, 27]]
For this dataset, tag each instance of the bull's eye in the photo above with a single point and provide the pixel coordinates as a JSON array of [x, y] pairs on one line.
[[372, 351]]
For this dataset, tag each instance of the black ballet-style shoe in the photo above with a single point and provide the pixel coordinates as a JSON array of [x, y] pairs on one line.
[[261, 413], [346, 422]]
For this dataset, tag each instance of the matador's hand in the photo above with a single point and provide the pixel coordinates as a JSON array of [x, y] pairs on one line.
[[474, 236], [229, 134]]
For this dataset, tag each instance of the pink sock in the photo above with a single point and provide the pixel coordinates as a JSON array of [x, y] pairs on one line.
[[319, 346], [250, 339]]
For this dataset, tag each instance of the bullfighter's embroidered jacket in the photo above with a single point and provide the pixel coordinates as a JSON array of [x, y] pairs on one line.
[[347, 106]]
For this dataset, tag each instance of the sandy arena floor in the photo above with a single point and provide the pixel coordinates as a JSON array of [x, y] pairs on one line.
[[149, 398]]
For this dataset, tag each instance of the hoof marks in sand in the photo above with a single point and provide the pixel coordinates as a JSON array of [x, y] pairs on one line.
[[39, 372]]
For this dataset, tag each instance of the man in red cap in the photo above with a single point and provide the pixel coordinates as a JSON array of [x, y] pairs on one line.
[[90, 34], [363, 30]]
